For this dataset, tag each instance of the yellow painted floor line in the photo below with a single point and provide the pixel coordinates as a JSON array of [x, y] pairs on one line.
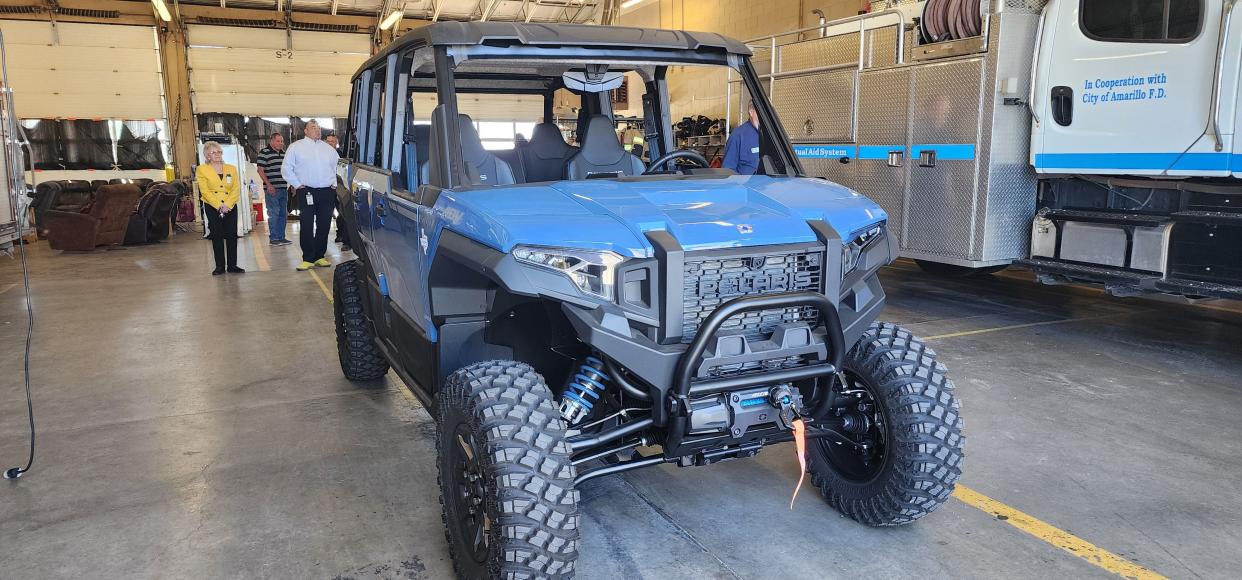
[[1030, 324], [1230, 306], [1055, 536], [260, 256], [327, 293]]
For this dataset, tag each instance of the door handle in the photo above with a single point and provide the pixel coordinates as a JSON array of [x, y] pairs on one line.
[[1063, 105]]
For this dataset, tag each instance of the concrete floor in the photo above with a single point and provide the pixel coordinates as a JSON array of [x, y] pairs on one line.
[[199, 427]]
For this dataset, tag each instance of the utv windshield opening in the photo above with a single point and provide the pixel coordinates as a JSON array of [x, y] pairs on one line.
[[485, 116]]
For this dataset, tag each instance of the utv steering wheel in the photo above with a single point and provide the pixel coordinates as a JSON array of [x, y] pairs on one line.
[[694, 156]]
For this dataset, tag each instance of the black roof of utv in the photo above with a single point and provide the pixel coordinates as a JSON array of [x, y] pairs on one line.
[[556, 35]]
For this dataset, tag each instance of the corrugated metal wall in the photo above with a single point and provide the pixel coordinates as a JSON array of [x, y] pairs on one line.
[[83, 70], [251, 71]]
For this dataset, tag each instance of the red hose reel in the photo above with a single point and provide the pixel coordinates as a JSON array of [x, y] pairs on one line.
[[951, 20]]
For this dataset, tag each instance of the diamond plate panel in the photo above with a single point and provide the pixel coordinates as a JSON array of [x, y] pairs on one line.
[[1005, 171], [800, 103], [882, 120], [886, 4], [940, 211], [1021, 6], [883, 114], [832, 170], [912, 40], [761, 61], [881, 47], [944, 102], [828, 51]]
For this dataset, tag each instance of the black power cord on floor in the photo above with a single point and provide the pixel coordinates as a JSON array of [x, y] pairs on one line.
[[16, 472]]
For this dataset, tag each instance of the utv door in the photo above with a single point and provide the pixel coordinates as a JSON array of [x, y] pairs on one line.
[[395, 214], [359, 194], [1126, 87]]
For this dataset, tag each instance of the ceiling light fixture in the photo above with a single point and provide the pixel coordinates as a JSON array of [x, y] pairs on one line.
[[162, 9], [390, 20]]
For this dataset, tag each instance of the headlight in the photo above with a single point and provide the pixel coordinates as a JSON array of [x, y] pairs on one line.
[[591, 271], [852, 250]]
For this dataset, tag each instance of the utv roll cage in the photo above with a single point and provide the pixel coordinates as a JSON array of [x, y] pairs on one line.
[[454, 43]]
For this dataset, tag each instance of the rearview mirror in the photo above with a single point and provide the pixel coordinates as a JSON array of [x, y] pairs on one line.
[[592, 80]]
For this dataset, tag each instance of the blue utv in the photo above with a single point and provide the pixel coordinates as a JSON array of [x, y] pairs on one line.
[[567, 312]]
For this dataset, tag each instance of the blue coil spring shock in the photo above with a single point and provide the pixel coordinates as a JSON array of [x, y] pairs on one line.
[[585, 387]]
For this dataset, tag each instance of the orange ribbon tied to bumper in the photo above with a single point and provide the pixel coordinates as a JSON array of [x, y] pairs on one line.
[[799, 428]]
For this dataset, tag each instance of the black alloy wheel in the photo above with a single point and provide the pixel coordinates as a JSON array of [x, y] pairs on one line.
[[867, 428], [468, 481]]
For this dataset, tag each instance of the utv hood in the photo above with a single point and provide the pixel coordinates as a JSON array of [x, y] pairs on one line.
[[609, 214]]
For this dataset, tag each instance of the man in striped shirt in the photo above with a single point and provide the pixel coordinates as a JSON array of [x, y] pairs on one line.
[[276, 189]]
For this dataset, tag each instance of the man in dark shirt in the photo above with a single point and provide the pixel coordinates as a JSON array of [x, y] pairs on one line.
[[275, 188], [742, 149]]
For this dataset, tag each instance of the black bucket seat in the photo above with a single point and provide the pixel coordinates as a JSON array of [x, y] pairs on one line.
[[547, 153], [602, 153]]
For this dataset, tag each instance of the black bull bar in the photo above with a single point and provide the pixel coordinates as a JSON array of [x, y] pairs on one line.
[[674, 410]]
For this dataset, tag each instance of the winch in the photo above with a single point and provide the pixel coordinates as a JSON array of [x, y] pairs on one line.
[[737, 412]]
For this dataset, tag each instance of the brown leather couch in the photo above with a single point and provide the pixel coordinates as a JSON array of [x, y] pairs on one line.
[[66, 195], [152, 221], [103, 223]]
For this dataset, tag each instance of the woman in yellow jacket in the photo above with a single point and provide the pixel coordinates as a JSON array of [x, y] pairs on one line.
[[219, 188]]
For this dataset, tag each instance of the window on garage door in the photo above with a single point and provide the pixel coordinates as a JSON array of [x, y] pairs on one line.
[[1171, 21]]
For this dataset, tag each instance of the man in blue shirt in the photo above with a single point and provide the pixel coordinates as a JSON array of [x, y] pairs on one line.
[[742, 149]]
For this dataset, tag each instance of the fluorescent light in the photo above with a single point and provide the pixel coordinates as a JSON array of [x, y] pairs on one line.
[[630, 4], [390, 20], [162, 9]]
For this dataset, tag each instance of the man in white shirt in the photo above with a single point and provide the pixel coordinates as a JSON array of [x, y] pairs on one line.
[[310, 169]]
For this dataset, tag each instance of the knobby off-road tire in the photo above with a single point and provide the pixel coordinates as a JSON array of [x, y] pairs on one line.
[[506, 480], [918, 421], [361, 359]]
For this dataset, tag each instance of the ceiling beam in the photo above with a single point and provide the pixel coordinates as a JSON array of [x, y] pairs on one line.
[[490, 10], [132, 12], [436, 13], [334, 3], [582, 6], [531, 13], [600, 9]]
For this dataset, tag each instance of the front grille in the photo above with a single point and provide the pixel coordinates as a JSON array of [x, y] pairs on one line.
[[713, 278]]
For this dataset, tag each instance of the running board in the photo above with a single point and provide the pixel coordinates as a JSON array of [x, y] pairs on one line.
[[1121, 282]]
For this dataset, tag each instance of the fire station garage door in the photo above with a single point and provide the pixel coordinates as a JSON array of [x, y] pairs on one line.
[[253, 72], [83, 70]]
